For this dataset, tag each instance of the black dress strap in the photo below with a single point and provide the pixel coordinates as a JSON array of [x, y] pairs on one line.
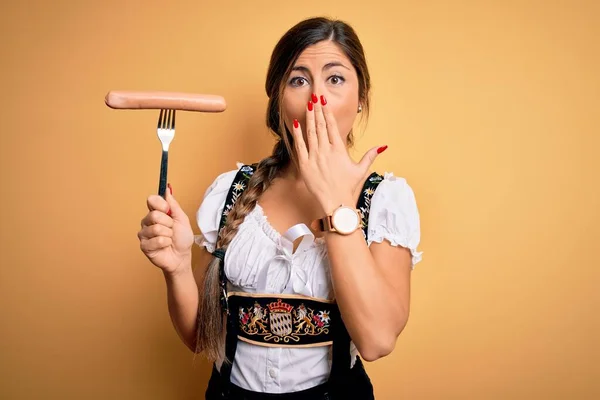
[[231, 341], [364, 201], [239, 184]]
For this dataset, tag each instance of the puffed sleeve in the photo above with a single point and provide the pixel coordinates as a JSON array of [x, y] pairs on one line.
[[208, 216], [394, 216]]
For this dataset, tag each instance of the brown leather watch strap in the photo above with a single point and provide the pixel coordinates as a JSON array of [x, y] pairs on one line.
[[322, 225]]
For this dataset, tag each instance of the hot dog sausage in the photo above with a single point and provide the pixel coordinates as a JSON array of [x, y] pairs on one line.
[[148, 100]]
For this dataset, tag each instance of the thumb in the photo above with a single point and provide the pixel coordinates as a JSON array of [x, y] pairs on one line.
[[370, 157], [175, 210]]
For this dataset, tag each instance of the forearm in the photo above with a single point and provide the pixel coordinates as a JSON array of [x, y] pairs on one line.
[[182, 299], [366, 300]]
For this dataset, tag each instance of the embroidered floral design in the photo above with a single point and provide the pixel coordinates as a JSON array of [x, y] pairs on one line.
[[365, 201], [280, 322], [365, 208], [237, 188], [324, 316]]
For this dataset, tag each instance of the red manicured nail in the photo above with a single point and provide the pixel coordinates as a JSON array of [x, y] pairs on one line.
[[310, 106], [170, 188], [381, 149], [323, 101], [296, 123], [169, 212], [314, 98]]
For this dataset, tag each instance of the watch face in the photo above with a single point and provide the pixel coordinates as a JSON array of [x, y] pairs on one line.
[[345, 220]]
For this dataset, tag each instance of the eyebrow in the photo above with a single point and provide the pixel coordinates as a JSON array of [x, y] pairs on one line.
[[326, 66]]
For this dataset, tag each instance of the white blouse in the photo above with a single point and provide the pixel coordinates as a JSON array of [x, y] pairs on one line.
[[261, 260]]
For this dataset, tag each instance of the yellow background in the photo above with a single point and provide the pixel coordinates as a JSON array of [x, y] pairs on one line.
[[490, 110]]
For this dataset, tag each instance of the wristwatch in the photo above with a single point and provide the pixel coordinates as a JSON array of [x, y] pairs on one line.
[[344, 220]]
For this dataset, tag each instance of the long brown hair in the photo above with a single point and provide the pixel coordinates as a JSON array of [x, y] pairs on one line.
[[211, 321]]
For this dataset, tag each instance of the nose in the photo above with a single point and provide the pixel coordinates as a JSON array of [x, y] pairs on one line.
[[319, 89]]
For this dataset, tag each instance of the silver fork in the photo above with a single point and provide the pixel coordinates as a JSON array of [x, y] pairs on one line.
[[166, 133]]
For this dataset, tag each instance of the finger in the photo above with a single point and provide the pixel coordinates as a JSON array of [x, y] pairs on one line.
[[151, 231], [156, 202], [299, 143], [156, 243], [175, 211], [370, 156], [157, 217], [332, 128], [321, 125], [311, 130]]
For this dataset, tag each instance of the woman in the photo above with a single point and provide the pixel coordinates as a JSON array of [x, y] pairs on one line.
[[309, 254]]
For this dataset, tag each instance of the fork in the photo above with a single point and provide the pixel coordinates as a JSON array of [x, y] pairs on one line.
[[166, 133]]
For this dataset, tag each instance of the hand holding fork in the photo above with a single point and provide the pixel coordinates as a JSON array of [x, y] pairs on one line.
[[166, 235]]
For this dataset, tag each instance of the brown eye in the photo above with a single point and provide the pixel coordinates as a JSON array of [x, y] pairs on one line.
[[336, 80], [297, 81]]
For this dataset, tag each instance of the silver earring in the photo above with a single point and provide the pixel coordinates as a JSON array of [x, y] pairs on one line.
[[359, 108]]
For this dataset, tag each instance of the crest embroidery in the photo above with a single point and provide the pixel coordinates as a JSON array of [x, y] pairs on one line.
[[280, 322]]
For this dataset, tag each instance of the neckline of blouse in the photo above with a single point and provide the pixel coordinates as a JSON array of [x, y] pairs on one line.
[[274, 234]]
